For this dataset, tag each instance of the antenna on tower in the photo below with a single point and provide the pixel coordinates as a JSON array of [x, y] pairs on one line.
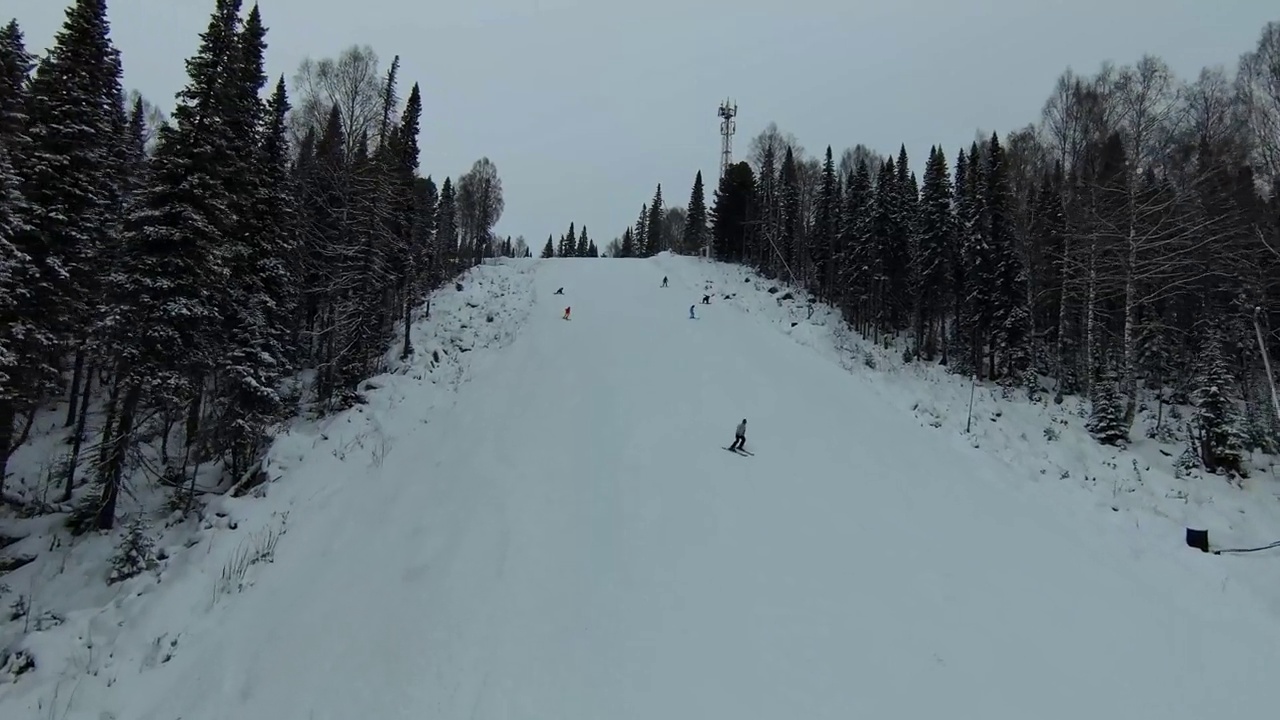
[[727, 113]]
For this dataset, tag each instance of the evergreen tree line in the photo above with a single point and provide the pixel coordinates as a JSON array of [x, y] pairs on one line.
[[1122, 248], [664, 229], [571, 244], [193, 284]]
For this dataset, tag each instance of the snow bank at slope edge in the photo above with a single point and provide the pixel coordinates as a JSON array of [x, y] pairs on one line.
[[1138, 490], [81, 633]]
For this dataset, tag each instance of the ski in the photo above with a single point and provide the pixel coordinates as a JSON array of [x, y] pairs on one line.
[[740, 452]]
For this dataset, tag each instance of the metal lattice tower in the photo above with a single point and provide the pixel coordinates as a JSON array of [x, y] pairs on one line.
[[727, 113]]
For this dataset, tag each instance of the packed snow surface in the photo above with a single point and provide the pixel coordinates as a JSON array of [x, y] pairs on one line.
[[567, 538]]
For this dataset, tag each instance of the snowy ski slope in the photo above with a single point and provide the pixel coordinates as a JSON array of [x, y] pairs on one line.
[[568, 540]]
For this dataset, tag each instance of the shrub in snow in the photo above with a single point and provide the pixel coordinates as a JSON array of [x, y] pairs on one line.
[[1051, 433], [135, 554], [84, 516], [16, 663], [1106, 418], [1187, 463], [19, 608]]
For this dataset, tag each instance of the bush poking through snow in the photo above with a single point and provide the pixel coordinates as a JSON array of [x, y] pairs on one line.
[[256, 548], [135, 554], [15, 664], [84, 516]]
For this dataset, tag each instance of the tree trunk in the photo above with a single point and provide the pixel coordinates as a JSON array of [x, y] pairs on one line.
[[1266, 362], [408, 312], [192, 426], [1060, 342], [108, 423], [7, 417], [26, 426], [77, 375], [1128, 375], [1089, 323], [113, 469], [77, 437]]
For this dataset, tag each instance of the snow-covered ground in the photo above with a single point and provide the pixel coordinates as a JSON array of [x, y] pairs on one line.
[[1044, 446], [547, 526], [85, 635]]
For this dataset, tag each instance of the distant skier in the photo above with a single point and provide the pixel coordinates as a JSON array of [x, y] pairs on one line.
[[691, 315], [706, 299], [664, 281], [566, 313], [740, 436], [559, 292]]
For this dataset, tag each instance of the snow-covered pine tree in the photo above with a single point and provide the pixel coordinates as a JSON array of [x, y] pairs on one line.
[[549, 250], [258, 248], [1106, 415], [166, 333], [790, 218], [824, 241], [654, 240], [959, 353], [933, 272], [413, 235], [18, 355], [16, 64], [426, 203], [70, 172], [695, 221], [1217, 419], [628, 246], [447, 229], [901, 200], [135, 554], [731, 213], [568, 241], [1010, 316], [768, 198], [16, 272], [640, 234], [881, 251], [981, 267], [856, 248]]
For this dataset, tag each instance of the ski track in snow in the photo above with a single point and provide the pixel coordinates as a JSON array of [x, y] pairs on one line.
[[547, 526]]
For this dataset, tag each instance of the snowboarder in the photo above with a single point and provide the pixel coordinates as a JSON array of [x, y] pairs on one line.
[[566, 313], [706, 299], [664, 281], [740, 436], [559, 292], [691, 315]]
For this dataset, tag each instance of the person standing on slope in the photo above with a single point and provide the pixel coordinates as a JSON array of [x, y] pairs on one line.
[[691, 315], [740, 436], [664, 281], [566, 313]]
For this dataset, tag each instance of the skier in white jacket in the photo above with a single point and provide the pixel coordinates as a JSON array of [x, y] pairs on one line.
[[740, 436]]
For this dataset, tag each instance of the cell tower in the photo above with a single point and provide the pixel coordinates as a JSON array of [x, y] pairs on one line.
[[727, 113]]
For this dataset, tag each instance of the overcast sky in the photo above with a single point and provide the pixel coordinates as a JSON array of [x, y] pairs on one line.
[[584, 105]]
